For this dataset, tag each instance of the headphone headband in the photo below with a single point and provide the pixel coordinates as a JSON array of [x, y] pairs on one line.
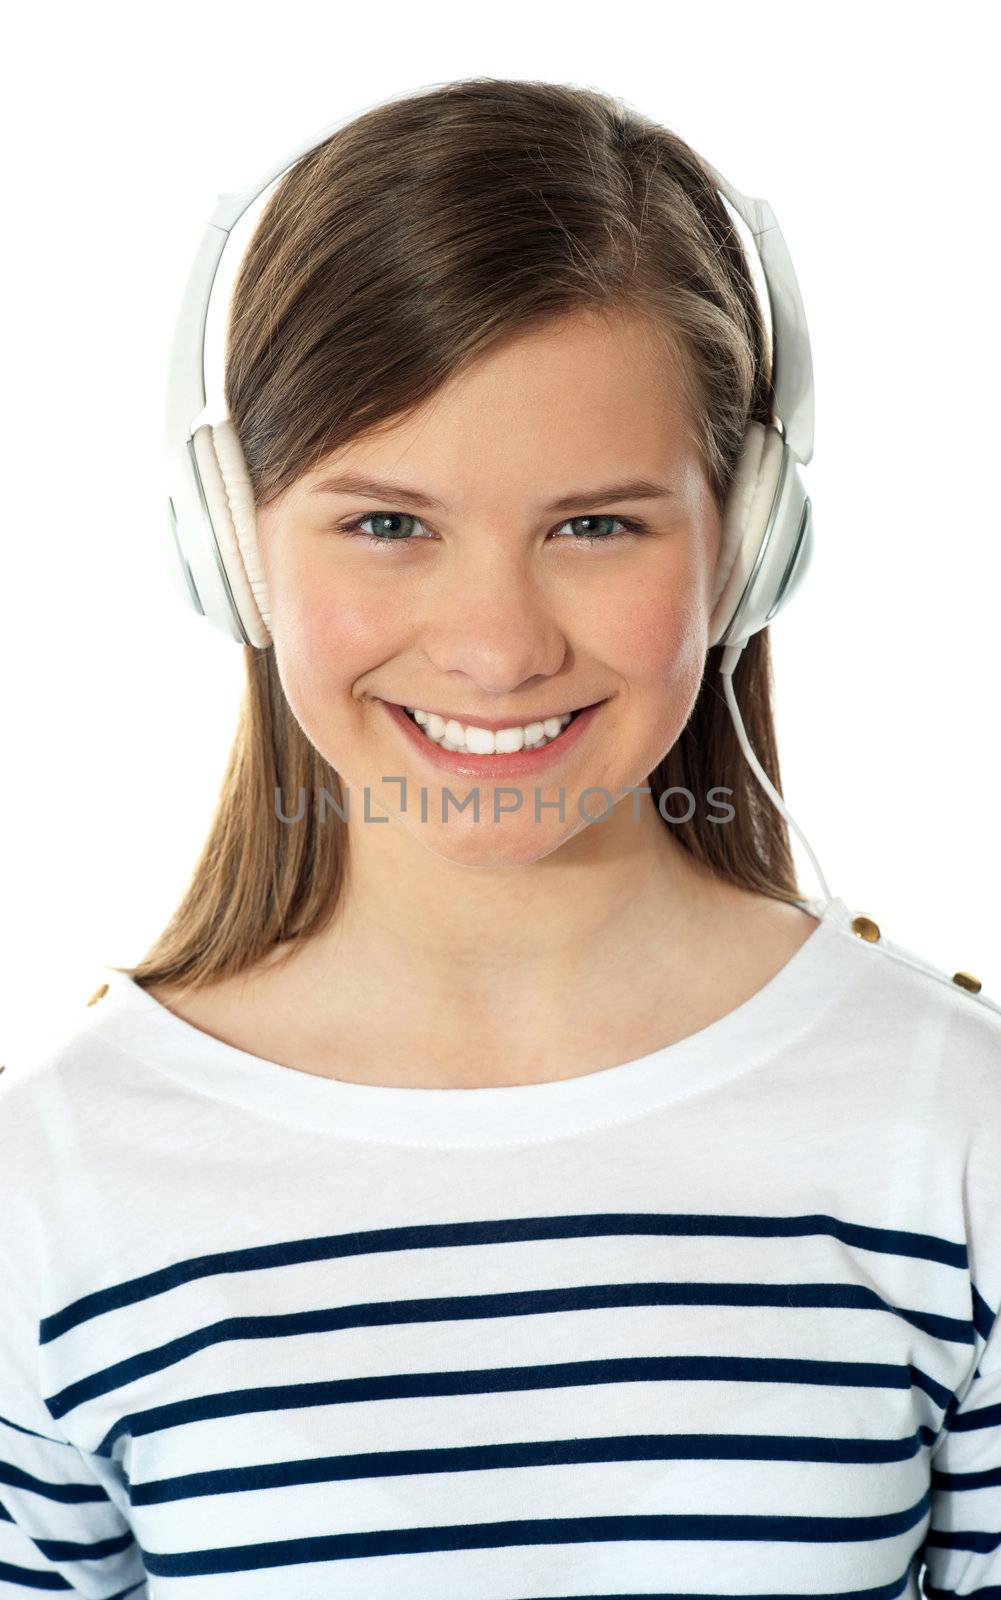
[[791, 358]]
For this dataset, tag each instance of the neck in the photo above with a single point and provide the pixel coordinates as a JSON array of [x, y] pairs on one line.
[[441, 952]]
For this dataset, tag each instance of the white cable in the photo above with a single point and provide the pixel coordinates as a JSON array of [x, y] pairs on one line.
[[731, 655]]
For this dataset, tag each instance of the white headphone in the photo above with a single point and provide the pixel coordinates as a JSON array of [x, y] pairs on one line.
[[767, 525]]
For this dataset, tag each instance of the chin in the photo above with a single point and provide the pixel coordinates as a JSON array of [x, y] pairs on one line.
[[509, 842]]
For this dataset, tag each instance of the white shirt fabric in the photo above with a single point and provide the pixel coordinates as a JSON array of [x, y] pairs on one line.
[[721, 1320]]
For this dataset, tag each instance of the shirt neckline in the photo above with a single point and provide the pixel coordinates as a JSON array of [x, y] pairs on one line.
[[132, 1020]]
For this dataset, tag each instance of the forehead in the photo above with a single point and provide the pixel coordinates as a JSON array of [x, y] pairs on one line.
[[581, 398]]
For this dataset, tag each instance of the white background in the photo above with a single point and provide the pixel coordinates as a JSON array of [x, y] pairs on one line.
[[869, 129]]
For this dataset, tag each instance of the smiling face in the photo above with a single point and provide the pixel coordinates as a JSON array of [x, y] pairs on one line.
[[499, 598]]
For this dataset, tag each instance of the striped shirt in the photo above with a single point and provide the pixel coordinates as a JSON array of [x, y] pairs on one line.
[[718, 1321]]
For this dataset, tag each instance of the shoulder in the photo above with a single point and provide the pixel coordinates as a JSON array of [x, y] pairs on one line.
[[927, 1017], [900, 975], [914, 971], [65, 1097]]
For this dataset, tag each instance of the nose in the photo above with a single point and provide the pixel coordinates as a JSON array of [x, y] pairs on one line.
[[493, 619]]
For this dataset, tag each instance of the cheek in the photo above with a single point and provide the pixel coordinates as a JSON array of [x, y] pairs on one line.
[[656, 641], [324, 644], [351, 631]]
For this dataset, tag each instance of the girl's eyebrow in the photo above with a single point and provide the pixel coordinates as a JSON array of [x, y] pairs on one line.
[[378, 488]]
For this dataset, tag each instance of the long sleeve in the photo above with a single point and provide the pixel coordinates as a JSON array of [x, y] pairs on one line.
[[63, 1522], [60, 1532], [963, 1544]]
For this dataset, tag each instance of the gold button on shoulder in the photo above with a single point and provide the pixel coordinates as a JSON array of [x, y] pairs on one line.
[[98, 994], [966, 980], [864, 927]]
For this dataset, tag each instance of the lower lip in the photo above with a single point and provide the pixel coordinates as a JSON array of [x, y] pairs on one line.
[[518, 764]]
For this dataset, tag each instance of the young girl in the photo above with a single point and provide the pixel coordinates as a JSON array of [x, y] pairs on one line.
[[498, 1180]]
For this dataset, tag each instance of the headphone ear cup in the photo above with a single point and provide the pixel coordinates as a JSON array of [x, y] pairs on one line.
[[229, 499], [747, 519]]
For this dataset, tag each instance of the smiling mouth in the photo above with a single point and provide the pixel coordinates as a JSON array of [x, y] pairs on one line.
[[471, 723], [488, 744]]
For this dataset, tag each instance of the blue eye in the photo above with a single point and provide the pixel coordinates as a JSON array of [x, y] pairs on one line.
[[397, 535], [387, 537], [629, 526]]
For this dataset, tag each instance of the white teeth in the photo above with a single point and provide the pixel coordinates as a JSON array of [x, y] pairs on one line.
[[453, 735]]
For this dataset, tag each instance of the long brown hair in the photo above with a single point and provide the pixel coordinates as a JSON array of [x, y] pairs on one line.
[[398, 250]]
